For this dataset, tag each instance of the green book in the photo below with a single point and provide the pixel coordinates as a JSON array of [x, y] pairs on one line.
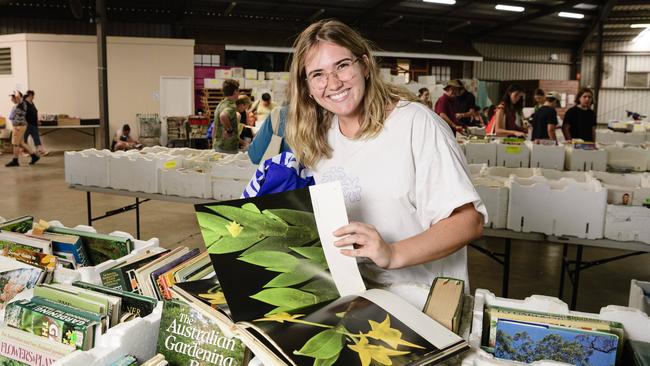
[[18, 225], [70, 299], [100, 319], [636, 353], [121, 276], [136, 304], [112, 303], [189, 337], [52, 323], [127, 360], [98, 247]]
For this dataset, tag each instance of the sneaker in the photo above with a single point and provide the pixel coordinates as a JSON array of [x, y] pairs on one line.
[[13, 162], [35, 158]]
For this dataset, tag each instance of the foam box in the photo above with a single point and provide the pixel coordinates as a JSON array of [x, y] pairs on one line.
[[609, 137], [629, 157], [476, 131], [185, 183], [75, 170], [503, 172], [544, 156], [476, 169], [513, 156], [584, 160], [638, 299], [637, 186], [627, 223], [481, 153], [223, 74], [250, 74], [558, 174], [562, 207], [215, 83], [495, 198]]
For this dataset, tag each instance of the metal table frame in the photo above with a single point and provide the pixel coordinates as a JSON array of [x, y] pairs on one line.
[[140, 198], [44, 130]]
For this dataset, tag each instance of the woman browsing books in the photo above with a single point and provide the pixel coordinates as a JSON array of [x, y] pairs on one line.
[[404, 179]]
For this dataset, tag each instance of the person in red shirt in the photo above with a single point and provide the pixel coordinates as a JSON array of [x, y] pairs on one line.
[[446, 105]]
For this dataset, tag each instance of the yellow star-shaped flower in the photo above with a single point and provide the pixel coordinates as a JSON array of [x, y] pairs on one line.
[[234, 229], [383, 332], [280, 317], [216, 298], [368, 352]]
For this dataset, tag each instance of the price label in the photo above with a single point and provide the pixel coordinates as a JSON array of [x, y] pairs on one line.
[[513, 150], [170, 164]]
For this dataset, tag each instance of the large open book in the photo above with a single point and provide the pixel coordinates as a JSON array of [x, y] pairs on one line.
[[295, 299]]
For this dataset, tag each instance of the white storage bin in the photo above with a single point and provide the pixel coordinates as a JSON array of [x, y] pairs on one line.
[[481, 153], [495, 198], [562, 207], [546, 156], [88, 167], [476, 169], [558, 174], [230, 177], [627, 223], [513, 156], [121, 176], [185, 183], [75, 169], [503, 172], [137, 337], [629, 157], [584, 160], [635, 185], [638, 300], [609, 137]]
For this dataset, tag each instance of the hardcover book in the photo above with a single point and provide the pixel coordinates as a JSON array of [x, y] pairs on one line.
[[11, 241], [98, 247], [15, 277], [445, 302], [295, 299], [138, 305], [18, 225], [159, 287], [21, 348], [207, 290], [122, 276], [62, 243]]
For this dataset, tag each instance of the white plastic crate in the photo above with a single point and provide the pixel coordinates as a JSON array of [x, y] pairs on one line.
[[513, 156], [562, 207], [481, 153], [186, 183], [609, 137], [546, 156], [584, 160], [627, 223], [628, 157]]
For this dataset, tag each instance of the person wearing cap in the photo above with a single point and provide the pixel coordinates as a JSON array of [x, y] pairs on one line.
[[545, 119], [465, 105], [446, 105], [18, 117]]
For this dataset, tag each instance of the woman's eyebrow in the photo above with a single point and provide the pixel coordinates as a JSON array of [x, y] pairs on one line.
[[336, 63]]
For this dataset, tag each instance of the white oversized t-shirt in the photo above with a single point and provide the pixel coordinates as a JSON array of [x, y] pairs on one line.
[[402, 181]]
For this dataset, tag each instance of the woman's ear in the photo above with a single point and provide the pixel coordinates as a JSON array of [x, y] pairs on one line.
[[366, 69]]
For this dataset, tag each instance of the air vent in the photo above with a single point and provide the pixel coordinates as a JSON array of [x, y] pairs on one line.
[[5, 61]]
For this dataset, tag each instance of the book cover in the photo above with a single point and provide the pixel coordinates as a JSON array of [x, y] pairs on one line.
[[18, 225], [207, 290], [98, 247], [127, 360], [187, 337], [21, 348], [63, 243], [295, 299], [445, 302], [530, 342], [51, 323], [136, 304], [37, 259], [159, 287], [636, 353], [11, 241], [15, 277], [122, 276]]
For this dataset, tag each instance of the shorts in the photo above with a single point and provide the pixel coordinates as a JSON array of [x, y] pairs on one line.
[[17, 134]]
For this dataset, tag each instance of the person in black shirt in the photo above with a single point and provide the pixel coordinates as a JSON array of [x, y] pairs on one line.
[[580, 120], [32, 122], [545, 119], [465, 104]]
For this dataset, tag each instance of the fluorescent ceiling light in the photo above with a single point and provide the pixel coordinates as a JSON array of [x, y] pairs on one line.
[[586, 6], [639, 25], [643, 39], [429, 40], [565, 14], [446, 2], [517, 9]]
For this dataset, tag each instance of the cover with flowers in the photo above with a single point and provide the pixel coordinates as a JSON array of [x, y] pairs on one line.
[[297, 300]]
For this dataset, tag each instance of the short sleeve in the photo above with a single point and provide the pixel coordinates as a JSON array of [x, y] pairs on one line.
[[568, 117], [442, 180], [552, 119]]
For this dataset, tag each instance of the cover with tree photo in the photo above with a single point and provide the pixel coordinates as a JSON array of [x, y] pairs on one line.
[[295, 299]]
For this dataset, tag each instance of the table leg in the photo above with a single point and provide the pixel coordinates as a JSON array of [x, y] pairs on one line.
[[89, 209], [137, 217], [506, 268], [563, 267], [576, 277]]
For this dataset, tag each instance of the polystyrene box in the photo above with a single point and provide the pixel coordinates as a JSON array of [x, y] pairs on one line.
[[481, 153], [628, 157], [476, 169], [513, 156], [557, 207], [637, 186], [546, 156], [477, 131], [627, 223], [75, 172], [504, 172], [558, 174], [185, 183], [495, 198], [584, 160], [609, 137], [137, 337], [638, 299], [635, 323]]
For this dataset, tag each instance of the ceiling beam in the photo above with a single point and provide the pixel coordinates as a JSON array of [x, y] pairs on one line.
[[602, 16]]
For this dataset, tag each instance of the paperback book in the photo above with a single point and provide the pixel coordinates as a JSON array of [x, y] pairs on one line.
[[138, 305], [19, 348], [122, 276], [296, 300], [98, 247]]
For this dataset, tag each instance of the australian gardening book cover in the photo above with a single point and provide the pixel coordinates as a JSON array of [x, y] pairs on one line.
[[297, 300]]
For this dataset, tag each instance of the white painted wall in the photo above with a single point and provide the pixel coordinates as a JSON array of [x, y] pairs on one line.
[[18, 77]]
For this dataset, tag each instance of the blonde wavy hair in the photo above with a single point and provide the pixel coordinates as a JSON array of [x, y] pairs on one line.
[[308, 122]]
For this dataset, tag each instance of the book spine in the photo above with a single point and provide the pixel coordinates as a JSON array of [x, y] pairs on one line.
[[76, 249], [114, 278]]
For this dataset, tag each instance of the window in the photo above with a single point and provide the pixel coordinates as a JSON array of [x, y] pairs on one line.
[[442, 73], [5, 61], [207, 60], [636, 79]]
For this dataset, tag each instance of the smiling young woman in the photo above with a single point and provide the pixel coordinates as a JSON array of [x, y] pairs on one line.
[[404, 179]]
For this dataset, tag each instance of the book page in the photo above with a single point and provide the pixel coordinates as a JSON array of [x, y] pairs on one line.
[[329, 210]]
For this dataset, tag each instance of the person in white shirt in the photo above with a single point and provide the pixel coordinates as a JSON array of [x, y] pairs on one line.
[[407, 189]]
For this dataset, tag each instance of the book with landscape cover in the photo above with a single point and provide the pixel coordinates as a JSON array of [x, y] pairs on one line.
[[16, 277], [18, 225], [98, 247], [295, 299], [10, 241]]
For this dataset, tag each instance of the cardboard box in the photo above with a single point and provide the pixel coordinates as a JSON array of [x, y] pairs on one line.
[[68, 121], [223, 74]]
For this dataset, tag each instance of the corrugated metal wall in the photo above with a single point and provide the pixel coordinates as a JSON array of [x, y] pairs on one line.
[[510, 62], [613, 104]]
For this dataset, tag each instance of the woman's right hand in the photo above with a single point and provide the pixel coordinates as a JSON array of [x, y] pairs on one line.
[[520, 134]]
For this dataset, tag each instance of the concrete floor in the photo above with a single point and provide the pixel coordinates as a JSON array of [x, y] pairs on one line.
[[41, 191]]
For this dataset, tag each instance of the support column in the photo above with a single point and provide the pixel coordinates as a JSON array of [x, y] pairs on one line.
[[101, 21], [598, 70]]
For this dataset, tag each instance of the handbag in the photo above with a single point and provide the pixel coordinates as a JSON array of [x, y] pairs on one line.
[[275, 144]]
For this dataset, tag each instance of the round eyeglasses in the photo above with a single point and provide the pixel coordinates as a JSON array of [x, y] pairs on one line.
[[344, 71]]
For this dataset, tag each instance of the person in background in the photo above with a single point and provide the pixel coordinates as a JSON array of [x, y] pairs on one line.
[[411, 202], [32, 123], [124, 141], [545, 119], [225, 134], [18, 118], [425, 97], [262, 139], [263, 107], [446, 105], [477, 119], [243, 104], [540, 98], [465, 104], [580, 120], [508, 116]]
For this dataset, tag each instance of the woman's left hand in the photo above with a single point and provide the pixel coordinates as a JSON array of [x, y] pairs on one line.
[[367, 243]]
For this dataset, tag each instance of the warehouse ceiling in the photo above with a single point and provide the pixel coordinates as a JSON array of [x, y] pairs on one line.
[[398, 25]]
